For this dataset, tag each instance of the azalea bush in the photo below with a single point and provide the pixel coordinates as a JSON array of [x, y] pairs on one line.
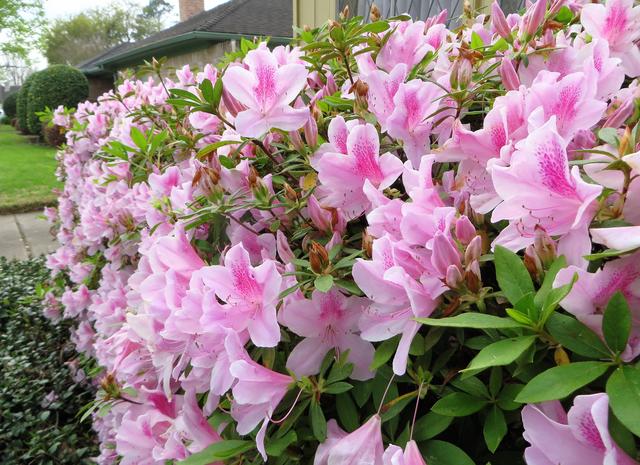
[[392, 242]]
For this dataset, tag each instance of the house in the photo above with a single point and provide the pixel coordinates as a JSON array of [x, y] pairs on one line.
[[199, 38]]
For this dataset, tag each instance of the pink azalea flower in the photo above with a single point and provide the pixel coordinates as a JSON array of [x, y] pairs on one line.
[[619, 238], [412, 119], [383, 87], [410, 456], [343, 176], [538, 190], [267, 90], [617, 22], [580, 438], [408, 45], [334, 434], [257, 391], [571, 99], [591, 293], [250, 295], [363, 446], [328, 321]]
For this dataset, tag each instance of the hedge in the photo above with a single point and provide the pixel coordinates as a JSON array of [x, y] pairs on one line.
[[21, 103], [10, 103]]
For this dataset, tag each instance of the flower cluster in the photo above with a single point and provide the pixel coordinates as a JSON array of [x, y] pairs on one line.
[[311, 253]]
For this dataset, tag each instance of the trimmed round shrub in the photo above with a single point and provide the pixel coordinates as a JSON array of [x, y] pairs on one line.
[[54, 86], [21, 103], [9, 105]]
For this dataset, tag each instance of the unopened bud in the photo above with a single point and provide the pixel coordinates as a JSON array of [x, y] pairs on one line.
[[296, 140], [560, 356], [367, 244], [532, 263], [290, 193], [374, 13], [361, 89], [318, 258], [472, 277], [474, 250], [453, 278], [461, 74], [545, 246], [344, 15], [306, 28], [465, 231], [534, 18], [500, 21], [310, 130], [620, 114], [510, 79], [333, 24], [253, 177], [625, 142]]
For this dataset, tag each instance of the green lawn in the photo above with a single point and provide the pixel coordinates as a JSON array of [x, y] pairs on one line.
[[27, 173]]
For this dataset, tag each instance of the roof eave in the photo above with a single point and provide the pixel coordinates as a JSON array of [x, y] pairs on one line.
[[175, 42]]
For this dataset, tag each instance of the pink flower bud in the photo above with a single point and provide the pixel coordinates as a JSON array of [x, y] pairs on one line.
[[231, 104], [500, 21], [620, 114], [535, 17], [508, 74], [555, 7], [311, 131], [453, 278], [474, 250], [284, 250], [465, 231], [444, 254], [296, 140]]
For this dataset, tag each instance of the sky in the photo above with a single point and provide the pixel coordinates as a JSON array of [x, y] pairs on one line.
[[64, 8]]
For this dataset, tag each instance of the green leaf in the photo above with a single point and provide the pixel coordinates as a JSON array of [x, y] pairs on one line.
[[338, 388], [553, 299], [506, 398], [549, 277], [576, 337], [476, 41], [430, 425], [610, 136], [513, 277], [384, 352], [222, 450], [377, 27], [501, 353], [323, 283], [622, 436], [495, 428], [458, 404], [276, 447], [217, 93], [623, 388], [206, 87], [565, 15], [349, 286], [347, 412], [318, 421], [616, 323], [558, 382], [609, 253], [138, 138], [444, 453], [472, 320]]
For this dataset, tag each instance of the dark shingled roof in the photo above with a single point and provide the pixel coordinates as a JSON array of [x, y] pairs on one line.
[[273, 18]]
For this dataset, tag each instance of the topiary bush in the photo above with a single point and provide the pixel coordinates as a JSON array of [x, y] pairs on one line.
[[39, 400], [9, 104], [21, 103], [54, 86]]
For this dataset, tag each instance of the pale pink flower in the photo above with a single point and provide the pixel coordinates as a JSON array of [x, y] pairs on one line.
[[267, 90], [250, 295], [539, 190], [328, 321], [256, 393], [363, 446], [617, 22], [590, 295], [580, 438], [343, 176], [411, 455]]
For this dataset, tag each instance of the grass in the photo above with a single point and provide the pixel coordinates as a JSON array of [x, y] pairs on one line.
[[27, 173]]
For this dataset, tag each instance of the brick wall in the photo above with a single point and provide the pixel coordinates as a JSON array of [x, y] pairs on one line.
[[189, 8]]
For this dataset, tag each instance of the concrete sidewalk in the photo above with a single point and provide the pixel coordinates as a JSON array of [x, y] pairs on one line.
[[25, 235]]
